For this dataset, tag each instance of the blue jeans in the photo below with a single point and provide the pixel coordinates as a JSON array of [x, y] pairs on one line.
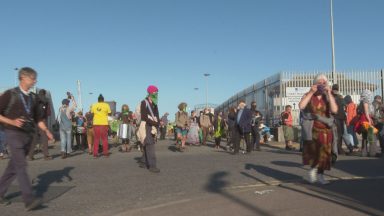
[[350, 130], [65, 139]]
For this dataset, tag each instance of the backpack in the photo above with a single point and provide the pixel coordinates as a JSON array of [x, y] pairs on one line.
[[43, 107]]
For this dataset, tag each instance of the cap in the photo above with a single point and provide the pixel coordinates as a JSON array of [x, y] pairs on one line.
[[152, 89]]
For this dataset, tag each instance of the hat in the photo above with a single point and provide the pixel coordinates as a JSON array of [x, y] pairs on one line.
[[65, 102], [182, 106], [152, 89], [335, 87]]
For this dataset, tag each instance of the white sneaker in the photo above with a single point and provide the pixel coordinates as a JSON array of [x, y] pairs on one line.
[[321, 180], [312, 175]]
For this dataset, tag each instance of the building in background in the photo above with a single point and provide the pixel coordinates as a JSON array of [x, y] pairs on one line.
[[201, 107], [279, 90]]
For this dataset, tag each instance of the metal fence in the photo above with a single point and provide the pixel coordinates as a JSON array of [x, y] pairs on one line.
[[273, 93]]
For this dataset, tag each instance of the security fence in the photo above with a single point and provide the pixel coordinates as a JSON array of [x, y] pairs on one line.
[[287, 88]]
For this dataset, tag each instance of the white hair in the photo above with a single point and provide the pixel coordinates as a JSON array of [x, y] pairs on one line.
[[320, 77]]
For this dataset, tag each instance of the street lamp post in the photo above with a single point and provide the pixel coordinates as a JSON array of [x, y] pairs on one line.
[[196, 89], [206, 89], [334, 79], [90, 95], [80, 101], [16, 75]]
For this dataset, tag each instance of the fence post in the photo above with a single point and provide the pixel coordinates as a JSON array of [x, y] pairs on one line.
[[382, 82]]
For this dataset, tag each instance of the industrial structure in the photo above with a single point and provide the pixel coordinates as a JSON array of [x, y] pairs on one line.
[[287, 88]]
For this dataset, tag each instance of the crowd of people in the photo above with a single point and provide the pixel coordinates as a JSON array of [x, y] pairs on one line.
[[239, 124], [23, 121], [327, 120]]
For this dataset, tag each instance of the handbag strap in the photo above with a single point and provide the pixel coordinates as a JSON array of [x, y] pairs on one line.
[[150, 108]]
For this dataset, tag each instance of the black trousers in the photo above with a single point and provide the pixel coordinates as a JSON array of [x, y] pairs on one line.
[[19, 144], [255, 137], [237, 136], [340, 131], [81, 141], [163, 132], [149, 148]]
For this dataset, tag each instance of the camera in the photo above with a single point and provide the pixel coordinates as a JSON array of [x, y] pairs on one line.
[[69, 95], [29, 126], [320, 88]]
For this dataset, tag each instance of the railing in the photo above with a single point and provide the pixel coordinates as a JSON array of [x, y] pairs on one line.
[[271, 96]]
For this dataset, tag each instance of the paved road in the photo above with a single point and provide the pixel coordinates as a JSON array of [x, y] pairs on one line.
[[201, 181]]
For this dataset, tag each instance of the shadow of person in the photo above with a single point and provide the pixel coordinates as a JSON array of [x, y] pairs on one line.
[[287, 163], [351, 194], [276, 174], [173, 148], [216, 183], [46, 179], [43, 183]]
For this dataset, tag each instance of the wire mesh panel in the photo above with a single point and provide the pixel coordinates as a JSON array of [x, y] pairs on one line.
[[271, 94]]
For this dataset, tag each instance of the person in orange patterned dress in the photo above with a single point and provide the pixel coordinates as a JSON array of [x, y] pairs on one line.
[[317, 153]]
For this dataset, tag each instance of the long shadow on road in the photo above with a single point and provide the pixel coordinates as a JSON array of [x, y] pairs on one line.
[[363, 195], [43, 185], [217, 184], [45, 180]]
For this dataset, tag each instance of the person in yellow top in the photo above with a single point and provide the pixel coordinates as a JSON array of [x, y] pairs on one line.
[[100, 111]]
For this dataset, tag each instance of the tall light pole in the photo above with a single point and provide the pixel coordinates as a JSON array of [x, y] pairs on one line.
[[90, 96], [206, 89], [16, 75], [196, 89], [334, 79], [80, 101]]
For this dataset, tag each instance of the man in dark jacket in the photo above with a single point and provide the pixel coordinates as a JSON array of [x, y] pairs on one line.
[[42, 139], [243, 127], [20, 115]]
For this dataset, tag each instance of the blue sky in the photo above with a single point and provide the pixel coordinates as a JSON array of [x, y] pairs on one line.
[[119, 47]]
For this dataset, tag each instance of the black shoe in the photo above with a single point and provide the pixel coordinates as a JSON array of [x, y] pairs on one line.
[[37, 202], [4, 201], [154, 170]]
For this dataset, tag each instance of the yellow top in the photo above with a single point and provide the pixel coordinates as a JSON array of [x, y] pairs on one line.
[[100, 111]]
